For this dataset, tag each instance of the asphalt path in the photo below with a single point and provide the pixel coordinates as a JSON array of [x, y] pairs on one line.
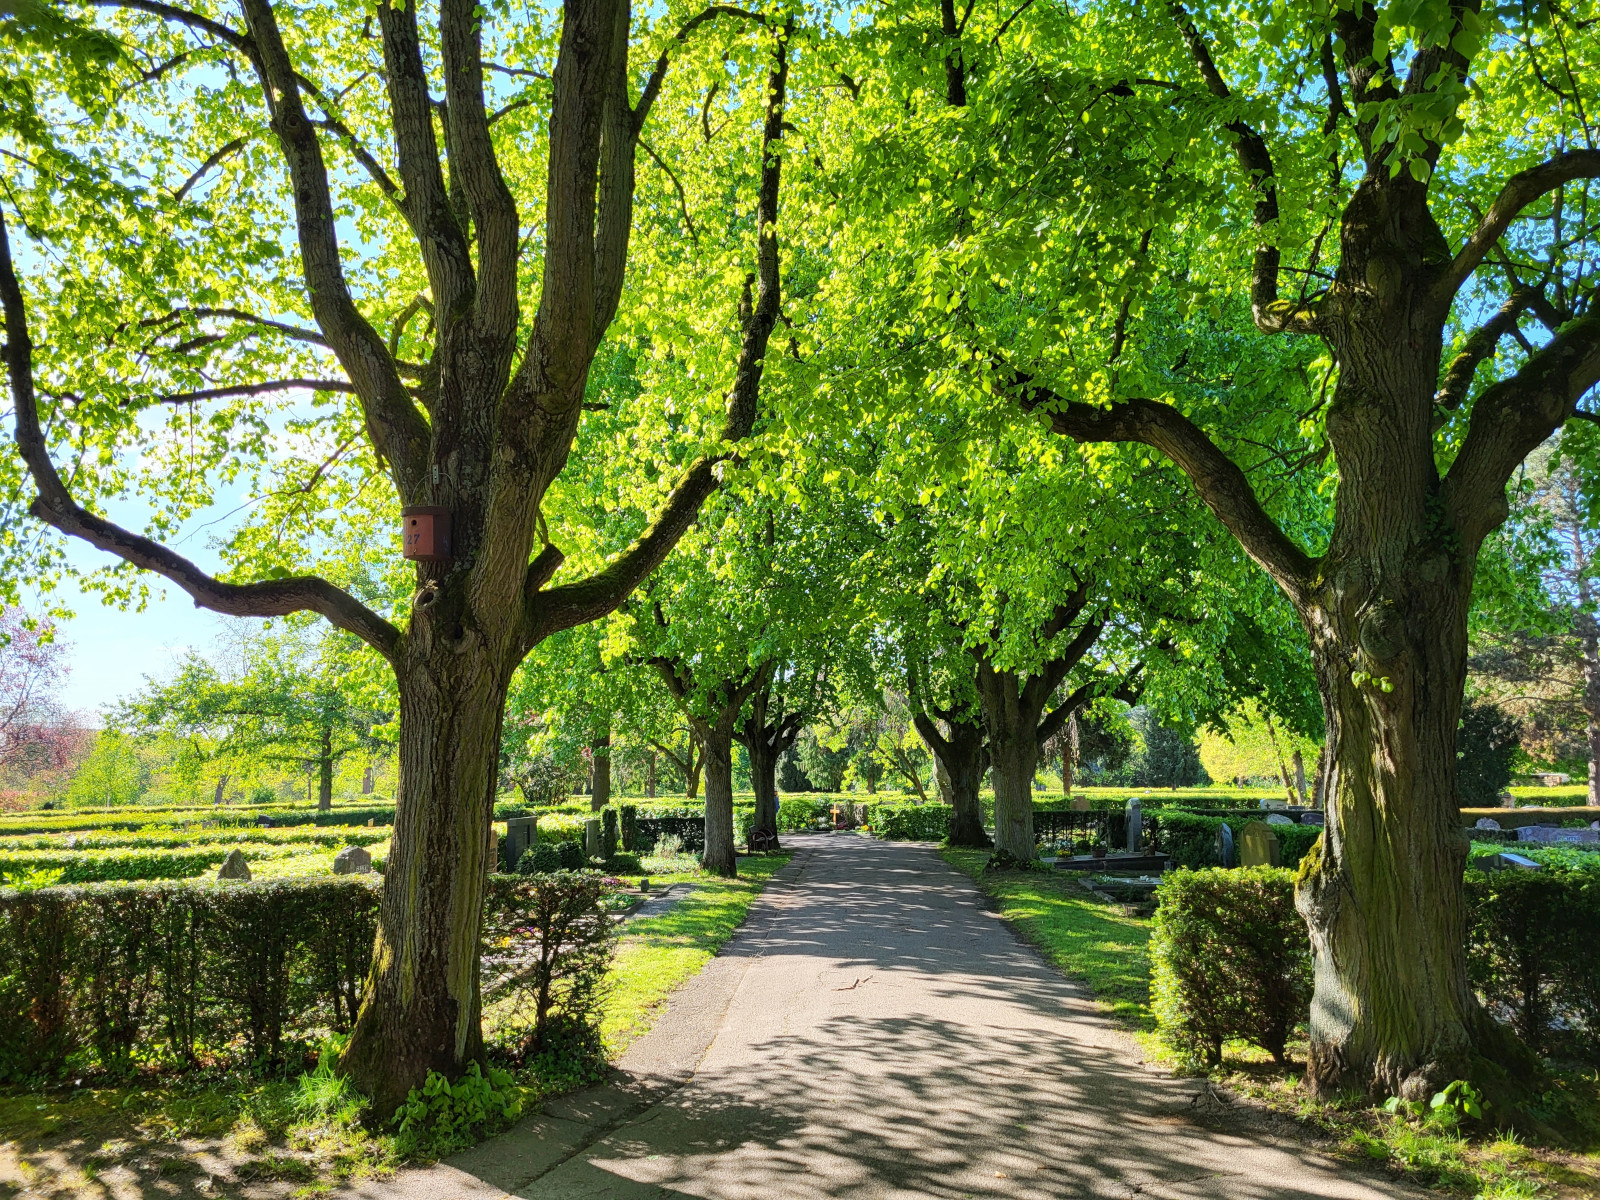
[[876, 1031]]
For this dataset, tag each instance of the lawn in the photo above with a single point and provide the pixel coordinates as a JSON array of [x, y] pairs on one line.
[[171, 1132]]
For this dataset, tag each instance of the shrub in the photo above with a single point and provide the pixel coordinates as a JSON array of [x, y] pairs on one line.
[[624, 864], [550, 941], [1230, 959], [910, 822], [539, 860], [1532, 952], [668, 845], [630, 829], [608, 833], [105, 978], [797, 813], [569, 856]]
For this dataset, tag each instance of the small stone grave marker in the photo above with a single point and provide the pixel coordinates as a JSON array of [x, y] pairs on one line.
[[1259, 846], [1080, 804], [591, 837], [352, 860], [1486, 823], [1552, 834], [1225, 854], [522, 835], [1312, 817], [1135, 825], [234, 866], [1279, 819]]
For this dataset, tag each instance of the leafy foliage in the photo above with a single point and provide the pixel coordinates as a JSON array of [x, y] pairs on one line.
[[1230, 959], [441, 1117]]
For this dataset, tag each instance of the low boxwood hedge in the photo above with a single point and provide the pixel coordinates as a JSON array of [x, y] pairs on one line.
[[910, 822], [96, 866]]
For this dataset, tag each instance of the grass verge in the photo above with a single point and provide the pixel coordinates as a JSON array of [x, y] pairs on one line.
[[216, 1133], [1107, 946]]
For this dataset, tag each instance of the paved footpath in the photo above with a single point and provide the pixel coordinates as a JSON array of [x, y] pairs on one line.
[[875, 1031]]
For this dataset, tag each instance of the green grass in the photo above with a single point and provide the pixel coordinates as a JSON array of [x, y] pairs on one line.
[[1083, 935], [659, 953]]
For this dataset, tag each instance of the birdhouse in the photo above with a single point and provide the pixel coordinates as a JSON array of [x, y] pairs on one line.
[[425, 534]]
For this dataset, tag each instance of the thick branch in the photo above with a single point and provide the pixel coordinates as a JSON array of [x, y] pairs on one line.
[[222, 152], [183, 16], [257, 389], [397, 429], [1271, 314], [1521, 190], [1479, 346], [658, 75], [1512, 417], [56, 507], [1216, 477]]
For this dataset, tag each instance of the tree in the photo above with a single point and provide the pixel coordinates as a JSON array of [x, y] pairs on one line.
[[1409, 171], [1485, 749], [292, 696], [456, 396], [32, 669]]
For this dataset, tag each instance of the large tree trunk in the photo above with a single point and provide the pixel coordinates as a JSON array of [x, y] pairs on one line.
[[764, 779], [1393, 1012], [600, 752], [719, 857], [1590, 630], [958, 750], [650, 777], [1015, 759], [420, 1010]]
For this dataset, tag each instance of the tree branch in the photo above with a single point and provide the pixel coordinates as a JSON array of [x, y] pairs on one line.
[[183, 16], [1512, 417], [1521, 190], [398, 432], [1271, 314], [1479, 346], [56, 507], [231, 148], [1216, 477], [257, 389], [683, 199], [658, 75]]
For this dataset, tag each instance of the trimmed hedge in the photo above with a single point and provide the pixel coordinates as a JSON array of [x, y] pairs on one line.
[[98, 866], [163, 837], [1533, 954], [108, 977], [910, 822], [1230, 959]]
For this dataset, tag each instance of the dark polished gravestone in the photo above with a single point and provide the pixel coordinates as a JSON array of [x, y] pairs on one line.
[[1137, 863]]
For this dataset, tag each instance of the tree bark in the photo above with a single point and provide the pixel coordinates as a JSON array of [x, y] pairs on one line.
[[720, 857], [420, 1008], [1589, 628], [960, 754], [222, 786], [600, 755], [1069, 756], [1015, 759], [650, 776], [764, 780]]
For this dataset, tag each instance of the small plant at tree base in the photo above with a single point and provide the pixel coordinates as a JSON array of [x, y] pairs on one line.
[[1459, 1099], [326, 1093], [441, 1117], [1004, 860]]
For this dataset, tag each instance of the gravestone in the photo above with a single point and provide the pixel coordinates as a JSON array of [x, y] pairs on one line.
[[1550, 834], [1312, 816], [1225, 854], [591, 837], [1080, 804], [1135, 826], [522, 835], [1486, 823], [234, 866], [1279, 819], [1505, 861], [1259, 846], [352, 860]]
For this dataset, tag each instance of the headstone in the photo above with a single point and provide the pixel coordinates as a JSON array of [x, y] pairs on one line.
[[1225, 854], [1135, 827], [1259, 846], [1080, 804], [264, 821], [1312, 816], [522, 835], [234, 866], [591, 837], [1505, 861], [1486, 823], [352, 860], [1550, 834], [1279, 819]]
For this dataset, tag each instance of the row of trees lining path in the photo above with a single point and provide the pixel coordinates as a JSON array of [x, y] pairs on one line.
[[1357, 153]]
